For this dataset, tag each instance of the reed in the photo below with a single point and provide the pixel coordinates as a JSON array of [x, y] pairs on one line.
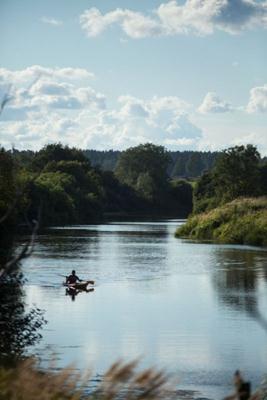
[[122, 381]]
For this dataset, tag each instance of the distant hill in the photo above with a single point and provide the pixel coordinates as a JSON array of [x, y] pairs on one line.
[[184, 164]]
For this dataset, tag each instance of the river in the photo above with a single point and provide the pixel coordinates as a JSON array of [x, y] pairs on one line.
[[197, 310]]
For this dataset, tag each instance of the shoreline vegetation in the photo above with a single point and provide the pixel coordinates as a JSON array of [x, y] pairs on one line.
[[230, 201], [229, 204], [58, 185], [241, 221], [26, 381]]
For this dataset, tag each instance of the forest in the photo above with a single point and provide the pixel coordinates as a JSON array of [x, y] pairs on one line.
[[60, 185], [182, 164]]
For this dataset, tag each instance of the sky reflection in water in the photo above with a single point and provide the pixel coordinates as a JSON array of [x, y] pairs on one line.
[[198, 310]]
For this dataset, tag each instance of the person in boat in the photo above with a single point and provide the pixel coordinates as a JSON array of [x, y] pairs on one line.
[[73, 278]]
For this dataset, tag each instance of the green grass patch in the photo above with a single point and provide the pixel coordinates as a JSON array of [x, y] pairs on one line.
[[242, 221]]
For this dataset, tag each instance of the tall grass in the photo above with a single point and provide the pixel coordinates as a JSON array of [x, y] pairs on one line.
[[121, 381], [242, 221]]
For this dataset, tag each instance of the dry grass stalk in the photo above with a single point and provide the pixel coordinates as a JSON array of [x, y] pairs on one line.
[[121, 381]]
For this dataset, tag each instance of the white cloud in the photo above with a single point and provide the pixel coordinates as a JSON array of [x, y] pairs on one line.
[[29, 75], [194, 16], [214, 104], [38, 88], [51, 21], [55, 108], [49, 87], [258, 100], [256, 138], [134, 24], [161, 120]]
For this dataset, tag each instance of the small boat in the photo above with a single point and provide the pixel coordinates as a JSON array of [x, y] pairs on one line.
[[79, 285]]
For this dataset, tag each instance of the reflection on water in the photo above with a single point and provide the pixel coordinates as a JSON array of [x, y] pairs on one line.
[[198, 310], [237, 281], [72, 292]]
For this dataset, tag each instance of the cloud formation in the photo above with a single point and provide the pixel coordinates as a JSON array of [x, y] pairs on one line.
[[51, 21], [212, 103], [38, 88], [59, 104], [51, 105], [258, 100], [196, 17]]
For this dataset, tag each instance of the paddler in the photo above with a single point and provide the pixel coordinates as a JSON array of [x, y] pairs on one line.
[[73, 278]]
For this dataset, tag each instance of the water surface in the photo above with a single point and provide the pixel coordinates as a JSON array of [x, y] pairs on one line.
[[197, 310]]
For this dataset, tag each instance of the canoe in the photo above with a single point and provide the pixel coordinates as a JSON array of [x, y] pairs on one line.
[[79, 285]]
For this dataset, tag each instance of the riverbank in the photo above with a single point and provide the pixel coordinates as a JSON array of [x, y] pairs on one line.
[[242, 221]]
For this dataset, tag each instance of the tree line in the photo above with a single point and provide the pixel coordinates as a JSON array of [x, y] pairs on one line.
[[182, 164], [239, 171], [62, 183]]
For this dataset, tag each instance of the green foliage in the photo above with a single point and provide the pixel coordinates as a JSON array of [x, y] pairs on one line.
[[50, 190], [236, 173], [145, 185], [144, 168], [179, 168], [263, 179], [242, 221], [12, 197], [7, 181], [61, 181], [179, 165], [204, 195], [57, 152], [19, 328], [121, 198], [195, 164], [106, 160], [221, 212], [181, 196]]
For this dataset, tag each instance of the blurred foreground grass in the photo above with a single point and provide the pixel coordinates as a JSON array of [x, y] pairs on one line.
[[122, 381]]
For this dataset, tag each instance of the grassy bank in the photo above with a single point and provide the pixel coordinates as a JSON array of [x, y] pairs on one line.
[[242, 221]]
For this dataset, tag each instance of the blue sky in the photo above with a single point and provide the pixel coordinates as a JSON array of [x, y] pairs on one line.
[[112, 74]]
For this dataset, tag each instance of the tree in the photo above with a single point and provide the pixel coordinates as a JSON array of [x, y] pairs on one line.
[[20, 327], [145, 185], [7, 181], [181, 196], [236, 173], [204, 193], [263, 179], [179, 167], [58, 152], [145, 169], [195, 165]]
